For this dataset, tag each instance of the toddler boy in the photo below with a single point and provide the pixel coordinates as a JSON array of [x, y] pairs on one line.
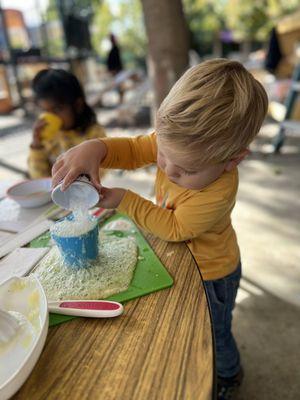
[[203, 130]]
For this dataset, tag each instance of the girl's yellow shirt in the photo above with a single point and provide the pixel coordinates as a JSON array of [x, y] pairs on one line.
[[201, 218], [40, 161]]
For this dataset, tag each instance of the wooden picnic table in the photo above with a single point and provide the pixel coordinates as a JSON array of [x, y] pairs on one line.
[[161, 348]]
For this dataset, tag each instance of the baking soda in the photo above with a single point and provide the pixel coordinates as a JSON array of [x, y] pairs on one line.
[[109, 274], [81, 223]]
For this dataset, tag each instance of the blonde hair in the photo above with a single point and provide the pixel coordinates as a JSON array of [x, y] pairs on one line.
[[213, 111]]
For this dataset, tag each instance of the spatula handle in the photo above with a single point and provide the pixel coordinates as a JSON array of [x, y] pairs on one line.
[[87, 308]]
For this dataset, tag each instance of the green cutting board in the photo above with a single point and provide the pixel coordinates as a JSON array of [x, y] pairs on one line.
[[149, 276]]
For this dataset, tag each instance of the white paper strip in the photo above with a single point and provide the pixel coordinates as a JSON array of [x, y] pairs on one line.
[[21, 239], [20, 262], [13, 226], [5, 237]]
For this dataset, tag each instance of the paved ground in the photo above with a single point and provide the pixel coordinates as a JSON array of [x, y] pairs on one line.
[[266, 320]]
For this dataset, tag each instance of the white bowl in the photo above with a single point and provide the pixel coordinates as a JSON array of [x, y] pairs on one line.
[[31, 193], [18, 357]]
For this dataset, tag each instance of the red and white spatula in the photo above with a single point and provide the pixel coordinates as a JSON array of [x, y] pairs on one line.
[[86, 308]]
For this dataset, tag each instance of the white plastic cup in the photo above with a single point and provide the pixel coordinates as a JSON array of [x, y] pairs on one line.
[[80, 188]]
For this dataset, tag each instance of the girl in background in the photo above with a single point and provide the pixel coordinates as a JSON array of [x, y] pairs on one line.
[[67, 120]]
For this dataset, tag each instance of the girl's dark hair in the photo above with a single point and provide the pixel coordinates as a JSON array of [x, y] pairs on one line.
[[62, 87]]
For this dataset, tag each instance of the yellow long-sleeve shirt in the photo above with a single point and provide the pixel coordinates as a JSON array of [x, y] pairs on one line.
[[40, 161], [201, 218]]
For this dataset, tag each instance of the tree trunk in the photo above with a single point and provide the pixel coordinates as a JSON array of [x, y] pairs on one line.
[[168, 44]]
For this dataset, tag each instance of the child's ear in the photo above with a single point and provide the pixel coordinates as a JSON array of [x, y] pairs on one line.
[[236, 160]]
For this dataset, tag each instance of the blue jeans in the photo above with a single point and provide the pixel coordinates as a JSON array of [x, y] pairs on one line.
[[221, 296]]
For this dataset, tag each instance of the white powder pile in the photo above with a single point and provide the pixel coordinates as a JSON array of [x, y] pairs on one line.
[[110, 274], [81, 223], [119, 224], [76, 227]]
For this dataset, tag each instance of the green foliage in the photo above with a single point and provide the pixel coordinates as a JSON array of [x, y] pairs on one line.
[[102, 23], [253, 19], [53, 19], [123, 18], [248, 19], [55, 45], [206, 15], [205, 18]]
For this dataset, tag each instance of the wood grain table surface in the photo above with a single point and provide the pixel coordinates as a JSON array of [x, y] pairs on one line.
[[161, 348]]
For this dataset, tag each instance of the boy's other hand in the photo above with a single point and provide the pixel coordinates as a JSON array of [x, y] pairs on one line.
[[111, 198], [84, 158]]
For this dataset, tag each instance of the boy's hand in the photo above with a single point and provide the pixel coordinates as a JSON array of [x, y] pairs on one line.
[[37, 130], [111, 198], [84, 158]]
